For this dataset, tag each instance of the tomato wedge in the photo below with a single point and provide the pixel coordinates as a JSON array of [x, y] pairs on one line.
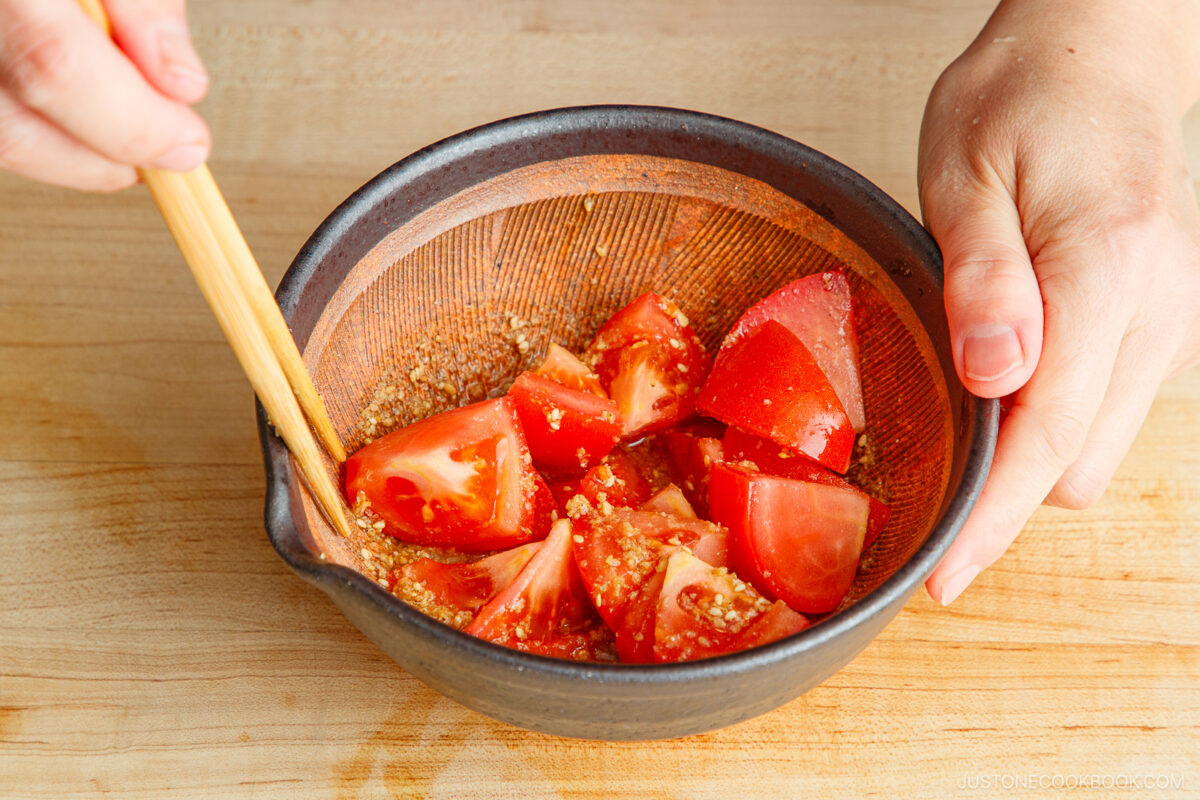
[[616, 481], [795, 540], [819, 311], [706, 540], [768, 383], [766, 456], [561, 366], [616, 552], [613, 560], [651, 362], [693, 458], [545, 610], [462, 478], [705, 611], [469, 585], [621, 558], [670, 500], [566, 429], [634, 631]]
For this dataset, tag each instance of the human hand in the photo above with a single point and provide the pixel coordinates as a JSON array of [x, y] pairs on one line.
[[1053, 176], [78, 110]]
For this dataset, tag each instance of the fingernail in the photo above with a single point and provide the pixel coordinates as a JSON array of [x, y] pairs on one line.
[[991, 351], [178, 54], [953, 586], [183, 158]]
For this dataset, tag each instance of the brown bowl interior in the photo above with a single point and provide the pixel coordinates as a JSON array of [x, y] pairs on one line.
[[453, 304]]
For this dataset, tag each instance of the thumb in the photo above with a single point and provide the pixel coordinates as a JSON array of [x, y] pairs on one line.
[[993, 303]]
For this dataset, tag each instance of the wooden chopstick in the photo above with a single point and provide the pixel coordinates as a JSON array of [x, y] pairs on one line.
[[224, 268], [262, 302]]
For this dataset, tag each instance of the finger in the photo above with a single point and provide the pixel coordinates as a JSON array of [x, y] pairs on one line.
[[1139, 371], [33, 148], [55, 60], [993, 304], [154, 34], [1045, 431]]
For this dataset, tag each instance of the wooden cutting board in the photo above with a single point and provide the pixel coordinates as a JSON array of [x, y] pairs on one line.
[[153, 645]]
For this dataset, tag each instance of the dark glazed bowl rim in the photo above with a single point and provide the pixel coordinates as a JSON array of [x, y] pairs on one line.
[[356, 209]]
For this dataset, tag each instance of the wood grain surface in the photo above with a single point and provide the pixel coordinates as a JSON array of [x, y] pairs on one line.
[[152, 644]]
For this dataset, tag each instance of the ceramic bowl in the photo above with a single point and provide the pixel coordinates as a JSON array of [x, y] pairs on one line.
[[542, 226]]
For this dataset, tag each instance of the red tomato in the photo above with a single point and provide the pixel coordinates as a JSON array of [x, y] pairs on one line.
[[566, 429], [794, 540], [545, 610], [613, 560], [693, 458], [545, 504], [704, 611], [651, 362], [468, 586], [651, 459], [768, 383], [778, 622], [818, 310], [562, 367], [616, 552], [670, 500], [462, 478], [634, 632], [766, 456], [709, 542], [615, 480]]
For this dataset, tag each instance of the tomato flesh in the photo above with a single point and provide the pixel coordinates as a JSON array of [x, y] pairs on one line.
[[651, 362], [615, 481], [704, 611], [616, 552], [468, 586], [562, 367], [621, 558], [545, 610], [768, 383], [819, 311], [708, 541], [670, 500], [693, 458], [634, 631], [614, 561], [566, 429], [771, 458], [462, 478], [795, 540]]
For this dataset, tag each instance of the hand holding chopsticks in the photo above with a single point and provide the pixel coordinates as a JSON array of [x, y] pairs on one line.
[[234, 287]]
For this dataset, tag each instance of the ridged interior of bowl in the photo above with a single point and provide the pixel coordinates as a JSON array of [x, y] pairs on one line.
[[455, 303]]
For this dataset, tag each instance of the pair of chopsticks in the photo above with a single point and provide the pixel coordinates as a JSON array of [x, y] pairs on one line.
[[224, 268]]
